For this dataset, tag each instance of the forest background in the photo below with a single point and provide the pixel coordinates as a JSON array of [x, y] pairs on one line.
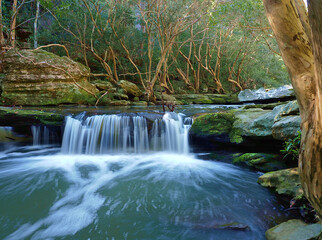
[[184, 46]]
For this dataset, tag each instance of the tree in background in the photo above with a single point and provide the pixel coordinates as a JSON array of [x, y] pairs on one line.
[[299, 36], [185, 46]]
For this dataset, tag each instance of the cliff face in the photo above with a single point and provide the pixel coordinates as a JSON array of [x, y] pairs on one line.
[[43, 78]]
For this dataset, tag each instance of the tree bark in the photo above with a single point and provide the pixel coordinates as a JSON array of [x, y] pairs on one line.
[[1, 27], [36, 25], [13, 24], [302, 55]]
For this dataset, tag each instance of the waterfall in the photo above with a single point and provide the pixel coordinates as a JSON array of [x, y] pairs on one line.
[[171, 133], [101, 134], [105, 133], [42, 135]]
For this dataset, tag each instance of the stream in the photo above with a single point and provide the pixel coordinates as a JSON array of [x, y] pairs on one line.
[[122, 177]]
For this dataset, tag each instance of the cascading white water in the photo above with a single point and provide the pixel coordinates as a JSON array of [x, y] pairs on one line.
[[105, 133], [171, 133], [40, 135], [112, 133]]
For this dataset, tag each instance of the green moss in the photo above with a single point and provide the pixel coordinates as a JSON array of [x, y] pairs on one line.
[[213, 124], [47, 118], [285, 181], [246, 157], [235, 136], [261, 161]]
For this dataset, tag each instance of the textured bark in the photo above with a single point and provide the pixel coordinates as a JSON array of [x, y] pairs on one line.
[[13, 24], [300, 44], [1, 26]]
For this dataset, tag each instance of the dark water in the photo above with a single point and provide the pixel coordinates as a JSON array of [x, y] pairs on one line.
[[47, 195]]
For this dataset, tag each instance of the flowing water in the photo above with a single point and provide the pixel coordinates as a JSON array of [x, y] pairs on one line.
[[122, 177]]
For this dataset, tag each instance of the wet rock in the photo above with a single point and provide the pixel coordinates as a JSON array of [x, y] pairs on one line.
[[261, 161], [43, 78], [22, 117], [228, 226], [246, 125], [249, 124], [295, 229], [8, 135], [286, 182], [286, 128], [130, 89], [215, 125]]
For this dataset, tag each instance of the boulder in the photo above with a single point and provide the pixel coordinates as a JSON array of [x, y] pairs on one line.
[[214, 125], [139, 103], [245, 124], [249, 123], [286, 128], [22, 117], [119, 103], [166, 97], [295, 229], [43, 78], [103, 85], [286, 182], [261, 161], [262, 93], [118, 96], [130, 89]]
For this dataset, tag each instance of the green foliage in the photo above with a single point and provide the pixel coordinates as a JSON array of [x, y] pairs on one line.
[[292, 147], [70, 22]]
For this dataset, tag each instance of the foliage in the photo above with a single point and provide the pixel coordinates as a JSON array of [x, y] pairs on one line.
[[292, 147], [183, 46]]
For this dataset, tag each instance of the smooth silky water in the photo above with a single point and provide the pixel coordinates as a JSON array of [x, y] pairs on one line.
[[116, 178]]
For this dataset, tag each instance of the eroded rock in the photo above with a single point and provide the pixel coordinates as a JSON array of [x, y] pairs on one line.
[[130, 89], [43, 78], [284, 181]]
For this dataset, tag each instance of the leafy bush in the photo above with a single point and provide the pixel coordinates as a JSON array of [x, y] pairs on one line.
[[292, 147]]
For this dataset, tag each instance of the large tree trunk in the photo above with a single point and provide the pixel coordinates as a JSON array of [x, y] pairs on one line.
[[302, 55]]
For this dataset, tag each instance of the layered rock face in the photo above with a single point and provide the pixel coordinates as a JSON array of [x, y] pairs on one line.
[[43, 78]]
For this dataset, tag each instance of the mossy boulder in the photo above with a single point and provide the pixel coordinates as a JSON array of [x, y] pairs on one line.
[[119, 103], [286, 182], [261, 161], [103, 85], [244, 125], [139, 103], [22, 117], [43, 78], [295, 229], [130, 89], [118, 96], [213, 125]]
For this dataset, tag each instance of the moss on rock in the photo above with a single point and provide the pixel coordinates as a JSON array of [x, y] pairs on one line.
[[284, 181], [261, 161], [9, 117], [213, 124]]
